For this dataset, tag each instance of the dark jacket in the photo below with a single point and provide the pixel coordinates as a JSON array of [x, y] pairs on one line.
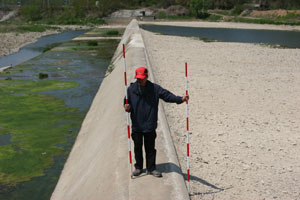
[[144, 105]]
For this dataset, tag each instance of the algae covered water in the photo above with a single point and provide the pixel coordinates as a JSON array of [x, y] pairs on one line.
[[40, 117]]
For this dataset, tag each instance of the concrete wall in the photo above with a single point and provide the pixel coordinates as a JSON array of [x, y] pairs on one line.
[[97, 167]]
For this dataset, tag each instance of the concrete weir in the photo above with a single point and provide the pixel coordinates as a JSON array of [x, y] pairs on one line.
[[97, 167]]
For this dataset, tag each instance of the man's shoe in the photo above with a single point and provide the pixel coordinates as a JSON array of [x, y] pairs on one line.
[[136, 172], [155, 173]]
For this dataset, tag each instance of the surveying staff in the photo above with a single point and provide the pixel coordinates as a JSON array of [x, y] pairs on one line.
[[143, 98]]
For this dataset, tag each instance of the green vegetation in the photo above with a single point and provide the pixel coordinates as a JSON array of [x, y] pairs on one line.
[[18, 28], [237, 10], [49, 47], [162, 15], [92, 43], [37, 123], [103, 32], [112, 32], [198, 8], [35, 28], [43, 75], [263, 21], [13, 70], [213, 18], [91, 12]]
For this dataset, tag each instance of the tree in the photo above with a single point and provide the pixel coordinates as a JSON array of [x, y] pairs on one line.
[[198, 8]]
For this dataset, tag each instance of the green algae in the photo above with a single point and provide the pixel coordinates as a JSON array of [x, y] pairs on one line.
[[14, 70], [38, 124], [104, 32], [99, 51]]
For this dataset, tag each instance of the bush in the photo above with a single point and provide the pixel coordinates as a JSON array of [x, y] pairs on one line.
[[50, 46], [112, 32], [214, 18], [161, 15], [92, 43], [31, 13], [237, 10], [32, 28], [198, 9], [43, 75]]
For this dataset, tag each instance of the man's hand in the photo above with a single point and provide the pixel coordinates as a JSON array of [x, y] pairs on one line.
[[185, 98], [127, 107]]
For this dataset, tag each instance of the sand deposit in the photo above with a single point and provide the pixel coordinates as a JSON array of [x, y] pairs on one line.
[[12, 42], [244, 115]]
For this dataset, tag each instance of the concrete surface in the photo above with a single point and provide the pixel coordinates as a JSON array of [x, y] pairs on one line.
[[97, 167]]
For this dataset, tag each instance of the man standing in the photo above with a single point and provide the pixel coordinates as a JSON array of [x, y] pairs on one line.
[[143, 99]]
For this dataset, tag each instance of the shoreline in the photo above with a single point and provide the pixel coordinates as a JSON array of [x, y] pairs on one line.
[[12, 42], [233, 25]]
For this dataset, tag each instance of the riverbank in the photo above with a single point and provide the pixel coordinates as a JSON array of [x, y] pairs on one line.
[[34, 147], [12, 42], [234, 25], [244, 113]]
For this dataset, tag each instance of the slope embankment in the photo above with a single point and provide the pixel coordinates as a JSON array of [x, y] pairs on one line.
[[97, 167]]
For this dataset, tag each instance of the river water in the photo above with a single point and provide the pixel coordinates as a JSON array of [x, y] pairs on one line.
[[66, 64], [34, 49], [289, 39]]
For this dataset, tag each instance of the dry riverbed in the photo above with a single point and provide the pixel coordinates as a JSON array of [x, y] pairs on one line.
[[244, 115]]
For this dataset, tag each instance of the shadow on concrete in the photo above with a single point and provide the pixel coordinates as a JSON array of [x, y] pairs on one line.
[[171, 167]]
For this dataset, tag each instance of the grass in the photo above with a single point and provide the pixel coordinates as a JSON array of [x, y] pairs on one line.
[[113, 33], [83, 47], [264, 21], [92, 43], [37, 123], [14, 70], [101, 32], [51, 46], [163, 15], [18, 28], [213, 18], [62, 20]]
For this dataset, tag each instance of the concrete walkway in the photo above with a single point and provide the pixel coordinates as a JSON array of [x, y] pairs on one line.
[[97, 167]]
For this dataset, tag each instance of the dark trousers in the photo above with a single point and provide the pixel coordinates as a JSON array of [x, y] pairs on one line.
[[149, 140]]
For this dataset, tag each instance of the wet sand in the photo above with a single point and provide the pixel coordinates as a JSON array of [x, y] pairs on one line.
[[244, 115]]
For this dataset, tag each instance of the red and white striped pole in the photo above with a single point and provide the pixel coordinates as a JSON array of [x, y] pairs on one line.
[[187, 131], [127, 113]]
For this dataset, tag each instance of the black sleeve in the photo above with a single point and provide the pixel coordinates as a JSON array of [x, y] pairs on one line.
[[168, 96]]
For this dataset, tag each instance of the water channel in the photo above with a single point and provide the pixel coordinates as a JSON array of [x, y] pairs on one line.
[[71, 61], [34, 49], [289, 39]]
